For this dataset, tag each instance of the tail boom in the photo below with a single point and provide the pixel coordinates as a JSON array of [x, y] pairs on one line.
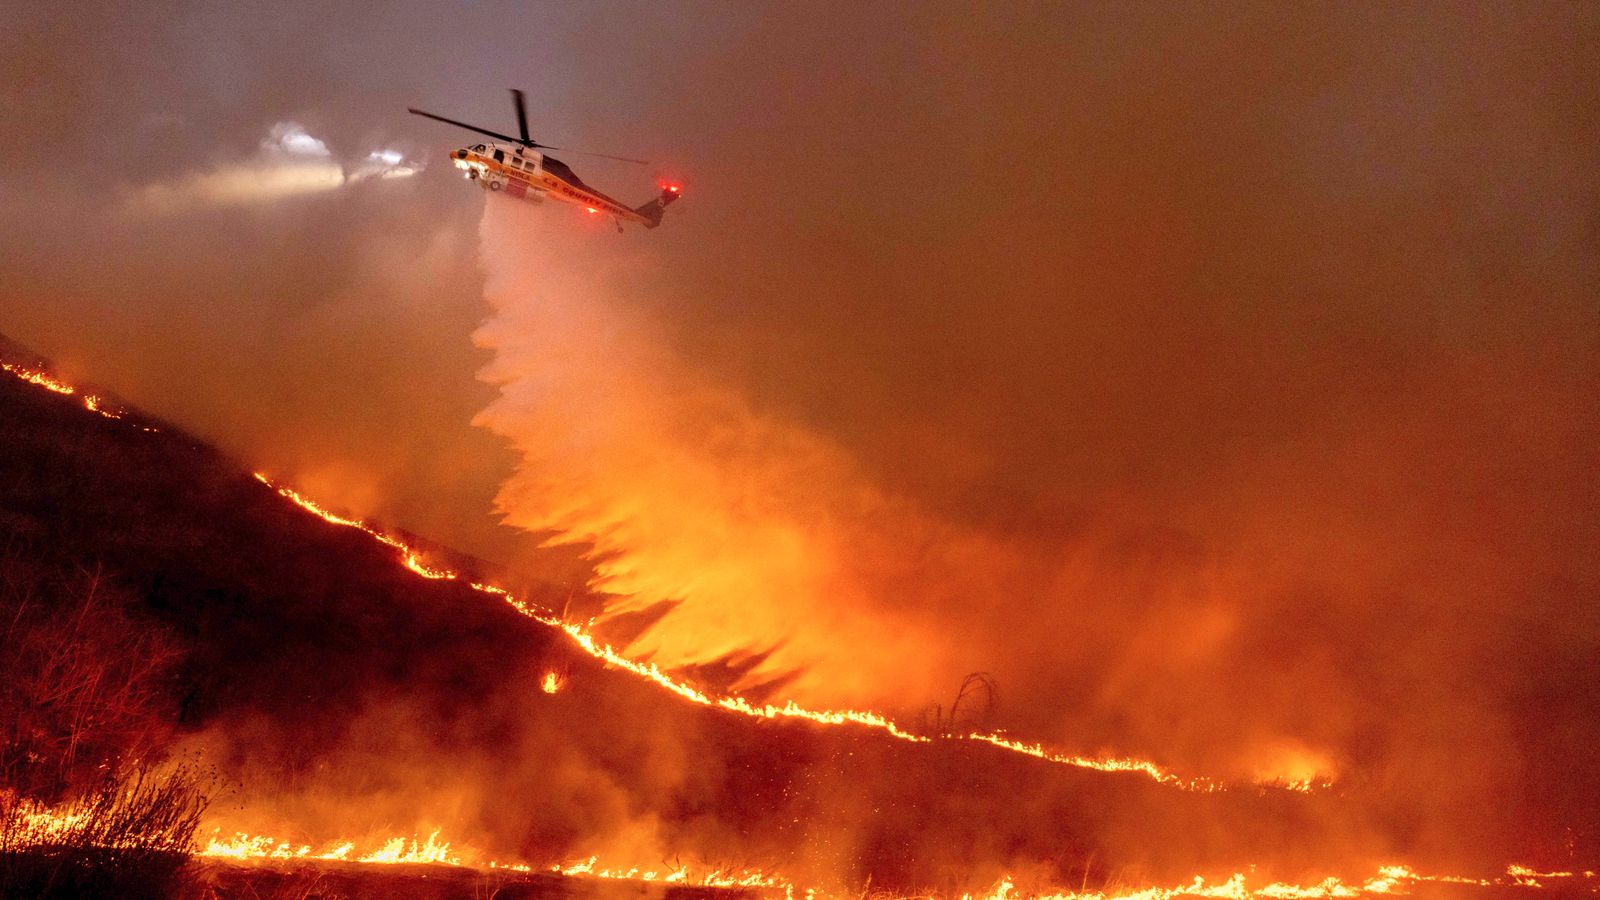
[[652, 212]]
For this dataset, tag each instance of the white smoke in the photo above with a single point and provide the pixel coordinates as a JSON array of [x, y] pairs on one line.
[[687, 493]]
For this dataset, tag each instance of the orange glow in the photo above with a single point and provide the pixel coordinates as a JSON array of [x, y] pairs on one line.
[[1105, 765], [606, 653], [90, 402], [680, 874], [395, 850], [39, 825], [1391, 880], [580, 635]]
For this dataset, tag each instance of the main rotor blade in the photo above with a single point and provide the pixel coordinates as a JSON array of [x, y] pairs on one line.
[[522, 116], [626, 159], [493, 134]]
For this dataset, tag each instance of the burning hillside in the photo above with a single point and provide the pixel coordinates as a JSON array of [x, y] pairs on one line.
[[367, 698], [1079, 451]]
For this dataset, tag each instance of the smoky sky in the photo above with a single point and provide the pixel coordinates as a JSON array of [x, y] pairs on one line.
[[1227, 375]]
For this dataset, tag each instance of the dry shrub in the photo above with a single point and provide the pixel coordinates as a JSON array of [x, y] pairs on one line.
[[86, 681], [85, 809], [129, 836]]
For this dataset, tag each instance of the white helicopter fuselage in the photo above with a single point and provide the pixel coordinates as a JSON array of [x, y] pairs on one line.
[[523, 173], [511, 166]]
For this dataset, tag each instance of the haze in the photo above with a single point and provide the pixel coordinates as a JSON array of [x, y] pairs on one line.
[[1223, 380]]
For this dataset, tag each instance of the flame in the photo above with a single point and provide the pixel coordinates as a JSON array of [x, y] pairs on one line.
[[90, 401], [1526, 876], [399, 850], [38, 825], [1394, 880], [680, 874], [395, 850], [1105, 764], [411, 558], [431, 850]]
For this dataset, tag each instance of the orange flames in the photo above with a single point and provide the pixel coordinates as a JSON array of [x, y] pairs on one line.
[[748, 878], [431, 850], [1390, 880], [41, 825], [395, 850], [580, 635], [90, 401]]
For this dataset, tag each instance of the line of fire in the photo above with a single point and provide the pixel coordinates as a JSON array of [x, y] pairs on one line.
[[1005, 451], [34, 826]]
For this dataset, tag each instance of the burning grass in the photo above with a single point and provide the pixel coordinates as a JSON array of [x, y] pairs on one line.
[[349, 666], [127, 836]]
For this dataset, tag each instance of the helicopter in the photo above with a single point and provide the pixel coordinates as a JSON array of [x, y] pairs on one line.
[[515, 167]]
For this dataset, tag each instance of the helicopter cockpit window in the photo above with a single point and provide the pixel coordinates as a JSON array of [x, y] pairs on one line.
[[479, 148]]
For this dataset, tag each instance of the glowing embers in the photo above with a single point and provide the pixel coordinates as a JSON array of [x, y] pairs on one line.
[[551, 683]]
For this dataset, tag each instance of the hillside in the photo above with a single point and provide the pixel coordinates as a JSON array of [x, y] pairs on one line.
[[337, 695]]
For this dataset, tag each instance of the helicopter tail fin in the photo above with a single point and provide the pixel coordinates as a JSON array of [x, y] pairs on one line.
[[653, 210]]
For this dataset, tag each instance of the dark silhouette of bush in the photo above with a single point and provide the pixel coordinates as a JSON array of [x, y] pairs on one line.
[[85, 809], [86, 681]]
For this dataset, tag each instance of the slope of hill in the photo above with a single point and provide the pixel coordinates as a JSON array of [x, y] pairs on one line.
[[340, 697]]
